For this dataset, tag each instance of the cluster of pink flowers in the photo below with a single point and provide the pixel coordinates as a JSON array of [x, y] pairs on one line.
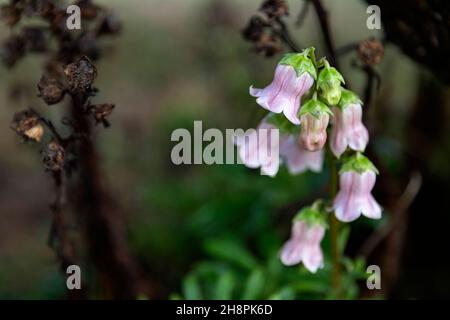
[[304, 98]]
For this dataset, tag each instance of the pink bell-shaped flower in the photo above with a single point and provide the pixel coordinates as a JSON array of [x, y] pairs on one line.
[[314, 117], [294, 76], [298, 159], [357, 179], [308, 230], [260, 148], [348, 129]]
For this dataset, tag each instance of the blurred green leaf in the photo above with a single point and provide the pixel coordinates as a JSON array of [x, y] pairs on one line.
[[232, 251], [254, 285]]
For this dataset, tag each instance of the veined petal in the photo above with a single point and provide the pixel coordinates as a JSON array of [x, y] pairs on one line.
[[301, 85], [370, 208]]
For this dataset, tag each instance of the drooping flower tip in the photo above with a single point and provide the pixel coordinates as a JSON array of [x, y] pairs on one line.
[[298, 159], [348, 129], [260, 148], [304, 246], [294, 76], [355, 198]]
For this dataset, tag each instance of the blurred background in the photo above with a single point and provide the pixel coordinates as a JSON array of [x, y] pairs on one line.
[[214, 231]]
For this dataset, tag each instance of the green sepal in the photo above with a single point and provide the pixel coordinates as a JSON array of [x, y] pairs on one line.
[[330, 75], [312, 215], [358, 163], [282, 123], [316, 108], [348, 97], [301, 62]]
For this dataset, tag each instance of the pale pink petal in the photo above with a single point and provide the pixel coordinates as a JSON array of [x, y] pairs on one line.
[[291, 253], [298, 159], [338, 141], [370, 208], [357, 134], [313, 258], [346, 203], [268, 97], [300, 87]]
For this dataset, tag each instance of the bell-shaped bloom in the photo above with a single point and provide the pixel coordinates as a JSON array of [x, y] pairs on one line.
[[260, 148], [355, 198], [285, 92], [314, 131], [348, 130], [304, 246], [297, 158]]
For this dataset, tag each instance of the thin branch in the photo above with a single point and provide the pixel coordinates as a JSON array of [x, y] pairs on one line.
[[322, 14], [302, 14], [401, 208], [286, 37]]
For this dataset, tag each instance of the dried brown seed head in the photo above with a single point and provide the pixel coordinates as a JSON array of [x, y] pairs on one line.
[[110, 24], [80, 74], [101, 112], [275, 8], [12, 50], [10, 14], [254, 29], [41, 8], [53, 156], [27, 125], [371, 52], [35, 40], [268, 45], [50, 90], [89, 10]]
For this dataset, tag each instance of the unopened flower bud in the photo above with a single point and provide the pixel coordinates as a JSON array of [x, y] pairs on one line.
[[50, 90], [329, 83], [314, 118], [27, 125], [53, 156], [80, 74]]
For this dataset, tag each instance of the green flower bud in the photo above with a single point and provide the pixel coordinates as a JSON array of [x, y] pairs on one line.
[[329, 84]]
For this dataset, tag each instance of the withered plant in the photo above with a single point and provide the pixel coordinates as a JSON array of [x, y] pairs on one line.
[[69, 152]]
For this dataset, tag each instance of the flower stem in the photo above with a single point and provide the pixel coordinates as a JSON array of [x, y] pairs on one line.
[[334, 233]]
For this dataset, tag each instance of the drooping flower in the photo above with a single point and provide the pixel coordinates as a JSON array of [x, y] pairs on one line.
[[294, 76], [298, 159], [329, 83], [348, 129], [265, 149], [260, 148], [357, 179], [314, 117], [307, 232]]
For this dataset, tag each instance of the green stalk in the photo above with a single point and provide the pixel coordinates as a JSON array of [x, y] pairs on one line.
[[334, 233]]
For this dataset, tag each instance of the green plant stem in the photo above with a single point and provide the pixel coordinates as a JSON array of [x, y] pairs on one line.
[[334, 233]]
